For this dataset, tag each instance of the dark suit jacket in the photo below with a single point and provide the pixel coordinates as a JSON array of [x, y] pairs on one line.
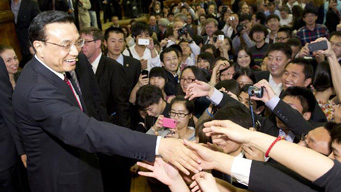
[[112, 82], [91, 92], [259, 75], [171, 85], [7, 147], [60, 140], [269, 177], [132, 68], [291, 117], [60, 5], [27, 11]]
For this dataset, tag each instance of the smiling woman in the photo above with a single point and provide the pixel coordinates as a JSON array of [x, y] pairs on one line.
[[11, 61]]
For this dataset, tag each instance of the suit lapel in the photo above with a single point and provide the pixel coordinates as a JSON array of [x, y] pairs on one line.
[[56, 81], [100, 68]]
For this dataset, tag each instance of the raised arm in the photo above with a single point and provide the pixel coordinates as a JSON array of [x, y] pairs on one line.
[[301, 160]]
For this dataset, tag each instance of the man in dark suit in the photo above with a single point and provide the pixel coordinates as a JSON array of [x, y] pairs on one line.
[[112, 81], [8, 164], [24, 11], [110, 76], [59, 138], [114, 41]]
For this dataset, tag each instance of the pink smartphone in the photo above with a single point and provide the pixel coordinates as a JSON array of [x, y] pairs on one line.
[[170, 123]]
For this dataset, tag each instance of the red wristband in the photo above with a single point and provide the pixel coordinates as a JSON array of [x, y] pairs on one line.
[[272, 144]]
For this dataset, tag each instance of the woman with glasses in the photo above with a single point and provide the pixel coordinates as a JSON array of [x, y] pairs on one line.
[[188, 75], [11, 61], [181, 111]]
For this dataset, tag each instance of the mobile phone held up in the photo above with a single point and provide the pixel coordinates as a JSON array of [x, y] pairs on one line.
[[144, 72], [321, 45], [169, 123], [143, 42]]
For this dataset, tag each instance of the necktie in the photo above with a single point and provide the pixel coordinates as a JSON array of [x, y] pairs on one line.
[[67, 81]]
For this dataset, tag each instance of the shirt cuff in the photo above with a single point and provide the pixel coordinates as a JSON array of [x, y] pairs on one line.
[[216, 97], [272, 103], [158, 140], [240, 170]]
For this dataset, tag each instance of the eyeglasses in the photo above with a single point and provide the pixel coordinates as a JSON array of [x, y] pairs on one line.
[[67, 47], [281, 38], [188, 80], [86, 42], [180, 115]]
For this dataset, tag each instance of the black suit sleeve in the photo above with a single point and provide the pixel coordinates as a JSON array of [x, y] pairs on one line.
[[267, 177], [53, 112], [292, 118], [7, 121]]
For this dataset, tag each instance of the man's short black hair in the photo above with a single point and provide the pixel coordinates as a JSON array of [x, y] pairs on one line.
[[272, 16], [236, 113], [258, 28], [244, 17], [112, 29], [309, 10], [335, 33], [308, 69], [335, 133], [287, 30], [260, 16], [36, 30], [139, 28], [148, 95], [229, 85], [283, 47], [158, 72], [294, 42], [306, 97], [167, 50]]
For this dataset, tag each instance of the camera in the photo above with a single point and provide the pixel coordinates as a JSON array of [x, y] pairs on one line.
[[232, 18], [182, 31], [255, 91], [240, 28]]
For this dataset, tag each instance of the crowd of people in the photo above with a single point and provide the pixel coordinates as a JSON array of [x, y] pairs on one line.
[[205, 96]]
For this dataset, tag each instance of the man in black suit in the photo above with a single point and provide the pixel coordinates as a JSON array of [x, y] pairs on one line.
[[110, 76], [24, 11], [112, 81], [279, 54], [114, 41], [59, 138]]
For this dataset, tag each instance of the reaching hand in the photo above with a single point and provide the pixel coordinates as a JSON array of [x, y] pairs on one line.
[[198, 89], [174, 152], [232, 130], [206, 154], [204, 182], [253, 153], [268, 92], [161, 171]]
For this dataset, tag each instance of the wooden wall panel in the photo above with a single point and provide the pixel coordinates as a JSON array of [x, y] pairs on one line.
[[8, 35]]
